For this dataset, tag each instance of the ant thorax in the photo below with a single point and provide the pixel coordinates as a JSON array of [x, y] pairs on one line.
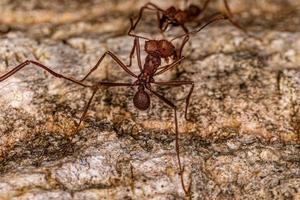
[[181, 17], [152, 62], [170, 12]]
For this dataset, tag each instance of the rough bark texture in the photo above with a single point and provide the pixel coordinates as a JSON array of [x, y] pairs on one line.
[[242, 140]]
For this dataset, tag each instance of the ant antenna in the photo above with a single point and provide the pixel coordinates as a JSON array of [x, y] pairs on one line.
[[215, 17]]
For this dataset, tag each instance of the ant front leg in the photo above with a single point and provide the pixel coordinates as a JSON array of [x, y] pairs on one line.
[[137, 47], [180, 83], [184, 28], [95, 89], [27, 62], [131, 54], [229, 13], [116, 59], [205, 6], [170, 104], [132, 34], [229, 16], [184, 41], [149, 6]]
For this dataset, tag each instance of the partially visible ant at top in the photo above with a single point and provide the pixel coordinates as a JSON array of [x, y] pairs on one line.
[[163, 48], [176, 17]]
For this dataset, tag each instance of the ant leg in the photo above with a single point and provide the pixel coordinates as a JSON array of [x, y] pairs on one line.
[[236, 24], [86, 109], [229, 13], [213, 18], [116, 59], [161, 24], [170, 104], [179, 53], [162, 69], [146, 6], [184, 28], [205, 6], [132, 34], [180, 83], [149, 6], [137, 46], [138, 53], [95, 89], [230, 17], [163, 29], [184, 41], [27, 62], [131, 54], [158, 18]]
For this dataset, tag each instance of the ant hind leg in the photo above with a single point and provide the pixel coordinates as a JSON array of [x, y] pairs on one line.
[[95, 89], [181, 169]]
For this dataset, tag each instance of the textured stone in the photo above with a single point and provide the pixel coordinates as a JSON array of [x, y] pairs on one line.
[[243, 140]]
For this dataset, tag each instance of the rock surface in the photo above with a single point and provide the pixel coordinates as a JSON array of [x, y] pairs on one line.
[[243, 137]]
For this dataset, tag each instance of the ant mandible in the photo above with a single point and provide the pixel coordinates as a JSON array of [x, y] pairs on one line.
[[177, 17]]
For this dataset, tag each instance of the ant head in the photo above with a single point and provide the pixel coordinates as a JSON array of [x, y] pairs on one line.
[[193, 11], [141, 99], [152, 47], [162, 48], [166, 48]]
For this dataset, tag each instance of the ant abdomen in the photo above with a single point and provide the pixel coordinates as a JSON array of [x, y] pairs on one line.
[[193, 11], [141, 99]]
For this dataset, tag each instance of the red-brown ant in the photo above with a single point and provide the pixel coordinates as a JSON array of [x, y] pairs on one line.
[[163, 48], [156, 51], [177, 17], [144, 81]]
